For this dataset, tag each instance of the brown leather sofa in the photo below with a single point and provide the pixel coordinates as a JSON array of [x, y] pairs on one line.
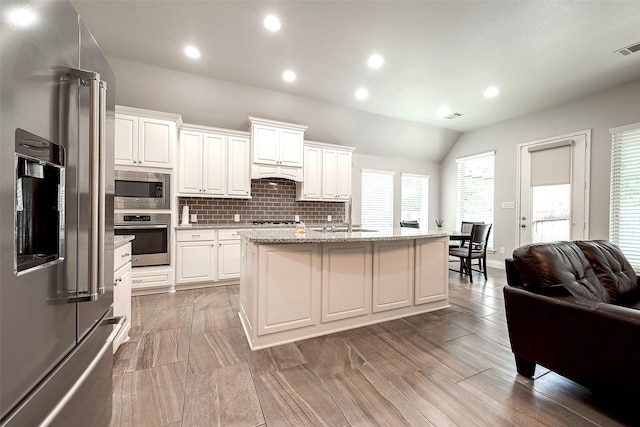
[[574, 308]]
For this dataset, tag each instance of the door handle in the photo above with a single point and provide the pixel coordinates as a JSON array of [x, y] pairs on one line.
[[523, 225]]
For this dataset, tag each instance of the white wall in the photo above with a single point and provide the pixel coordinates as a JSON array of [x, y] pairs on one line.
[[397, 165], [599, 112], [210, 102]]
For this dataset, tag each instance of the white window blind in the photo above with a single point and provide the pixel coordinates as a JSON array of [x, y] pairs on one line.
[[377, 199], [415, 199], [624, 214], [475, 190]]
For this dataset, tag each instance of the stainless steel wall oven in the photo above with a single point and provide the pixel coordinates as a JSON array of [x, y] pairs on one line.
[[142, 190], [152, 245]]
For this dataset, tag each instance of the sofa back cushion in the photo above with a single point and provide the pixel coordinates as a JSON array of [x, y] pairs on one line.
[[612, 269], [558, 268]]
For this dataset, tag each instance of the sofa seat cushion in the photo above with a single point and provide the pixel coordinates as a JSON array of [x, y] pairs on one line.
[[613, 270], [558, 268]]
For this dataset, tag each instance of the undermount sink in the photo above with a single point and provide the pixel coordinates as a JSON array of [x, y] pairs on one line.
[[342, 230]]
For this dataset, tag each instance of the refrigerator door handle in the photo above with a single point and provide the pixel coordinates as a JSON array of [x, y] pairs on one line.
[[97, 138], [102, 114]]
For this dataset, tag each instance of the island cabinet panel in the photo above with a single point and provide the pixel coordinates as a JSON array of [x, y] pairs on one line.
[[289, 287], [393, 274], [346, 280], [431, 270]]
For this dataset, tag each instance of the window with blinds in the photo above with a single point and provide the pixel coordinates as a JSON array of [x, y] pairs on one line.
[[415, 199], [475, 190], [377, 199], [624, 213]]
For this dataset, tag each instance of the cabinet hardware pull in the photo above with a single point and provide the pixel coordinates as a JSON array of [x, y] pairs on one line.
[[195, 235], [137, 280], [125, 255]]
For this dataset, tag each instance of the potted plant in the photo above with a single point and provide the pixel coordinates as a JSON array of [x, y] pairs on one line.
[[439, 223]]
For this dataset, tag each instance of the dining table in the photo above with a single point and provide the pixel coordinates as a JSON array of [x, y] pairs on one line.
[[459, 236]]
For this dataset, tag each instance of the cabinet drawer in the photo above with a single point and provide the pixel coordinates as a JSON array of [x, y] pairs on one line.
[[228, 234], [121, 256], [195, 235], [150, 280]]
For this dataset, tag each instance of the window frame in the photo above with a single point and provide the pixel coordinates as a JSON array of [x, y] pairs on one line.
[[461, 214], [623, 216], [376, 225], [424, 198]]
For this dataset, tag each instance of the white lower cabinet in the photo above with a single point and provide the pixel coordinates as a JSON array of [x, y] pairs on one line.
[[346, 280], [122, 291], [296, 291], [289, 287], [432, 270], [393, 274], [228, 254], [207, 255], [196, 256]]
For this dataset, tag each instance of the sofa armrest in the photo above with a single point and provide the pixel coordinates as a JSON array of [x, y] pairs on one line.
[[593, 343]]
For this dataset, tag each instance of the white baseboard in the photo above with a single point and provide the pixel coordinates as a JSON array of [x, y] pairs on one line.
[[496, 263]]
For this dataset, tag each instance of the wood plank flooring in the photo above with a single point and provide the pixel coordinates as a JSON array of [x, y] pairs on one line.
[[188, 364]]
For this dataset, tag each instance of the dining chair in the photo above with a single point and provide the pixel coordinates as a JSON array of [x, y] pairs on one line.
[[410, 224], [477, 249]]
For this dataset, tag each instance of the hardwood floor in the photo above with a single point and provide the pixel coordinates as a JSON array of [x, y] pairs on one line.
[[188, 364]]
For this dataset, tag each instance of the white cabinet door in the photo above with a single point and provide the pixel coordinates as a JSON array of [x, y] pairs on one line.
[[155, 142], [343, 175], [228, 259], [432, 283], [393, 274], [329, 174], [265, 144], [196, 261], [214, 164], [122, 302], [291, 147], [346, 280], [126, 140], [239, 167], [289, 282], [312, 183], [190, 174]]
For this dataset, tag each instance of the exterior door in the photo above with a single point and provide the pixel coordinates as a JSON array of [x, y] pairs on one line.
[[553, 189]]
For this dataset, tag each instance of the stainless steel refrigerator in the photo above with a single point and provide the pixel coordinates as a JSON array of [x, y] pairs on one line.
[[57, 96]]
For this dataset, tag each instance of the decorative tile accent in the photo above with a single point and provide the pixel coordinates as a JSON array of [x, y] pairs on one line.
[[272, 199]]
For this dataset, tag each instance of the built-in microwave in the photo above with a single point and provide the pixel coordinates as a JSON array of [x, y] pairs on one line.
[[142, 190]]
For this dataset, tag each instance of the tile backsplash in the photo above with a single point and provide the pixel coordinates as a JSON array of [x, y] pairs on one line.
[[272, 199]]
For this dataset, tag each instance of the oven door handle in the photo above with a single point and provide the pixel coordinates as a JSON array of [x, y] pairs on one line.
[[133, 227]]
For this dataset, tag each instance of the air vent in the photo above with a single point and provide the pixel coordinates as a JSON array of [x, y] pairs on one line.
[[453, 115], [629, 49]]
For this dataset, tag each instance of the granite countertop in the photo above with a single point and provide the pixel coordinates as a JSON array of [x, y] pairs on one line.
[[241, 225], [313, 236], [119, 241]]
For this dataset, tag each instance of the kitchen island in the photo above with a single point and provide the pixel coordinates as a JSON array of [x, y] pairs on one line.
[[295, 286]]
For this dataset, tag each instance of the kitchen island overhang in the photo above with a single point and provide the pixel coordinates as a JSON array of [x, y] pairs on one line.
[[295, 286]]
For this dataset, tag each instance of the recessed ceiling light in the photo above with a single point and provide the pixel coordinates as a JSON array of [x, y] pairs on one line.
[[289, 75], [375, 61], [444, 111], [272, 23], [22, 17], [491, 91], [192, 52], [362, 93]]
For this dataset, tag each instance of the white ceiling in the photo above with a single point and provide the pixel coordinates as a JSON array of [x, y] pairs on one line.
[[539, 53]]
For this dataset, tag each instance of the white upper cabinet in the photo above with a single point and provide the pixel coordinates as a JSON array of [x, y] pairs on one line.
[[277, 149], [312, 173], [238, 174], [214, 162], [145, 138], [327, 172]]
